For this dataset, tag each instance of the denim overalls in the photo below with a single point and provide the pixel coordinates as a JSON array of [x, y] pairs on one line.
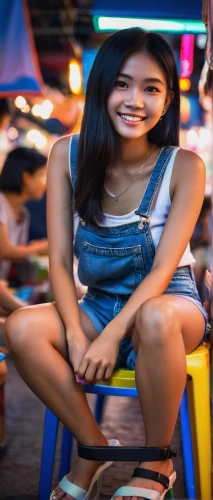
[[114, 260]]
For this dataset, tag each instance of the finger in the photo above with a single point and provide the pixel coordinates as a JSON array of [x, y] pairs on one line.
[[100, 373], [75, 365], [93, 382], [82, 368], [108, 373], [90, 372]]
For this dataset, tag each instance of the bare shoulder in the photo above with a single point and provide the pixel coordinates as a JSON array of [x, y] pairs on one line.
[[188, 172], [188, 163], [61, 146], [59, 154]]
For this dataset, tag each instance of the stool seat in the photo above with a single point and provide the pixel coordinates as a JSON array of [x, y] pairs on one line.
[[126, 378]]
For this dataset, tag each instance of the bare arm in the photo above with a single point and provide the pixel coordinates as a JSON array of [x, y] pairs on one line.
[[8, 303], [60, 236], [19, 252], [189, 185]]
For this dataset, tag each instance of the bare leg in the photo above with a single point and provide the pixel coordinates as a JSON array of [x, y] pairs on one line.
[[167, 328], [36, 339]]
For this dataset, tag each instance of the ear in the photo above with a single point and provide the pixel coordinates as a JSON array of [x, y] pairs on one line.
[[169, 98]]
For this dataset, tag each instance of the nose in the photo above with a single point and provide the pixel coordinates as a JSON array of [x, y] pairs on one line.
[[135, 99]]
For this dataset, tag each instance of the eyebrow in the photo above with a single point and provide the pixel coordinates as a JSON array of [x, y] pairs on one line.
[[147, 80]]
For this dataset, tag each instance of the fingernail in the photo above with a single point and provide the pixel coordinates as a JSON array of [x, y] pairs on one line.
[[80, 380]]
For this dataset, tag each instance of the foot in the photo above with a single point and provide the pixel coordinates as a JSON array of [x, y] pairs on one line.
[[80, 475], [165, 468]]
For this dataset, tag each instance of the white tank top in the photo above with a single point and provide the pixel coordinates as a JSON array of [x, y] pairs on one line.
[[158, 214]]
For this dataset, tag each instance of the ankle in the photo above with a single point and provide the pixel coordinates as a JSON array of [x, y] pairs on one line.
[[90, 464], [85, 467], [162, 466], [96, 441]]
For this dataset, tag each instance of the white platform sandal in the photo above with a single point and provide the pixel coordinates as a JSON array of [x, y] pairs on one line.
[[132, 491], [95, 484]]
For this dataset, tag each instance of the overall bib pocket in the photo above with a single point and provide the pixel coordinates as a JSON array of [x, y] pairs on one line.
[[117, 270]]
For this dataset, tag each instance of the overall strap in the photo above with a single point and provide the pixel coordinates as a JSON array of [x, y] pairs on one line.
[[73, 158], [155, 180]]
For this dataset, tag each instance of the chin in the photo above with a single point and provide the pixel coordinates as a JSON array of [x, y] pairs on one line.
[[131, 134], [37, 197]]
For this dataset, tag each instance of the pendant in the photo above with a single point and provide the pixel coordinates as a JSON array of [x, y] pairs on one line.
[[111, 195]]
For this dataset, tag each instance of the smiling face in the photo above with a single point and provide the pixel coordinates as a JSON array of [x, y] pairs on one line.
[[139, 96]]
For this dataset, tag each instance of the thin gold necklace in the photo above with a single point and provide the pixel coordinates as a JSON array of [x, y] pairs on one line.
[[115, 197]]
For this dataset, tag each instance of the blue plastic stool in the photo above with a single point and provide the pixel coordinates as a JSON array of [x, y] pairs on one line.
[[3, 379], [51, 429]]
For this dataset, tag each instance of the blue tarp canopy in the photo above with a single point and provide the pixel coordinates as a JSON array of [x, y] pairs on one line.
[[162, 9], [19, 70]]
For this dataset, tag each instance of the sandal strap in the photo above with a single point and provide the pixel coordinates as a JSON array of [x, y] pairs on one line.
[[125, 453], [72, 489], [153, 475], [132, 491]]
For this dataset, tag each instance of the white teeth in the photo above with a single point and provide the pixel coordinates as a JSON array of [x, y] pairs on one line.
[[131, 118]]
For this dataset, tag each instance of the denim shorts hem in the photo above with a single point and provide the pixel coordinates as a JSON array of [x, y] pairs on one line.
[[200, 307]]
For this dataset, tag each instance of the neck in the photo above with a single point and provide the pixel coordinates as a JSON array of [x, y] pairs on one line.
[[16, 201], [133, 150]]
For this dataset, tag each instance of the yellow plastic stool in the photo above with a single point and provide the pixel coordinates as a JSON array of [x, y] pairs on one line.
[[199, 399], [198, 367]]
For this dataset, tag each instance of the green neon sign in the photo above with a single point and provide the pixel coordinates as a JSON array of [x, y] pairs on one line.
[[102, 23]]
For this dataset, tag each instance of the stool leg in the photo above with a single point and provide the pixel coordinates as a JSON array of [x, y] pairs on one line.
[[2, 418], [48, 455], [187, 447], [201, 398], [99, 408], [66, 451]]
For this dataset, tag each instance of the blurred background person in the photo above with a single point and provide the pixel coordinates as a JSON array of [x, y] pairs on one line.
[[5, 114], [8, 302], [201, 246], [23, 178], [38, 218]]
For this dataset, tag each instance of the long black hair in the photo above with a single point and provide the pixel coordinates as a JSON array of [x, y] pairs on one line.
[[18, 161], [98, 142]]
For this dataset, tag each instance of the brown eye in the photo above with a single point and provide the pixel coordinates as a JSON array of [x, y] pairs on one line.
[[151, 89], [120, 84]]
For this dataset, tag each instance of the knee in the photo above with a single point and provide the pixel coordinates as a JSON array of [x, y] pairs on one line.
[[156, 322], [18, 330]]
